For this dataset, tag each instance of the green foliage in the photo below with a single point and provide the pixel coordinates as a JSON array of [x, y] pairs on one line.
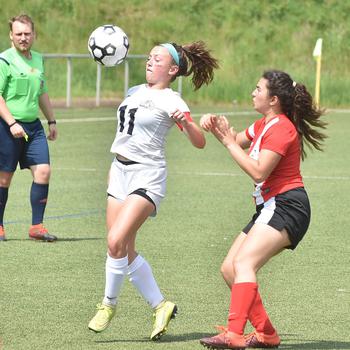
[[246, 36]]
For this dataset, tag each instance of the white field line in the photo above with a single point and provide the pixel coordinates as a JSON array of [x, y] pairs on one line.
[[75, 169], [344, 178], [338, 110], [79, 120], [195, 115], [99, 119]]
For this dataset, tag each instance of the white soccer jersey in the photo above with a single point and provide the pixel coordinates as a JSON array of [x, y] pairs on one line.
[[144, 122]]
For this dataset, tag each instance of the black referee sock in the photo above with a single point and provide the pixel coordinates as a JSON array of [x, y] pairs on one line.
[[3, 200], [38, 200]]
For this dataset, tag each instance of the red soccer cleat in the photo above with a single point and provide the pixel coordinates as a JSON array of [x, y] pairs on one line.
[[2, 234], [261, 340], [40, 233], [225, 340]]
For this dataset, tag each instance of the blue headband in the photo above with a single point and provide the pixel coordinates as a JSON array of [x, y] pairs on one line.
[[174, 54]]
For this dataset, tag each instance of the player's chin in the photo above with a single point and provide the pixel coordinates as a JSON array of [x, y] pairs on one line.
[[256, 107], [149, 77]]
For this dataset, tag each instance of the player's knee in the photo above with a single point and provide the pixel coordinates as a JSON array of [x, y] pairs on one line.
[[116, 247], [5, 182], [42, 175], [227, 271]]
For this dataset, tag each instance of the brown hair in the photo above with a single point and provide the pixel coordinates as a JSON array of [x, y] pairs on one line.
[[23, 19], [197, 60], [297, 104]]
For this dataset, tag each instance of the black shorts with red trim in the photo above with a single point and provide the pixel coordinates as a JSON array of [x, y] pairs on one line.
[[290, 210]]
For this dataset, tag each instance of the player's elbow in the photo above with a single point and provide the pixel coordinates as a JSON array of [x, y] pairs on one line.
[[199, 143], [258, 177]]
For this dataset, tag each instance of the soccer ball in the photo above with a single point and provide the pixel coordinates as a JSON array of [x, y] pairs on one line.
[[108, 45]]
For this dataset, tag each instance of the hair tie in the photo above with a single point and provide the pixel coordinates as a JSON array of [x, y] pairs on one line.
[[173, 53], [294, 83]]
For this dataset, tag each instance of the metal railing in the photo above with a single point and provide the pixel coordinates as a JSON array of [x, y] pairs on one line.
[[70, 56]]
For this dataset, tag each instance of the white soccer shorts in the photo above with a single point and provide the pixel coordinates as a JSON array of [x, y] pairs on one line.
[[125, 179]]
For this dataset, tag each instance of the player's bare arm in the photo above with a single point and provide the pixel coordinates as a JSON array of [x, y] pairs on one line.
[[258, 169], [46, 108]]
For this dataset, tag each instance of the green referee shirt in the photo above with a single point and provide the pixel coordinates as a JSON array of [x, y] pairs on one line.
[[21, 83]]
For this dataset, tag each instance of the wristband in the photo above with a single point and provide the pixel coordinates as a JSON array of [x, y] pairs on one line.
[[11, 125], [50, 122]]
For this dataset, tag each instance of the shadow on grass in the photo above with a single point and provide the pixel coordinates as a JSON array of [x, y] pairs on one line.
[[308, 345], [80, 239], [317, 345], [165, 339], [76, 239]]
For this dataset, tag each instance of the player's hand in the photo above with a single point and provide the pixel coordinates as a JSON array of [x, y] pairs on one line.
[[52, 135], [223, 131], [207, 121], [179, 117], [17, 131]]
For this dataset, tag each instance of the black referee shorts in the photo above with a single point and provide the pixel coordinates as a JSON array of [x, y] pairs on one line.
[[290, 210], [17, 150]]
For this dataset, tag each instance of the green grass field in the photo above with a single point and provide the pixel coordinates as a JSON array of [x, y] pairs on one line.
[[48, 292]]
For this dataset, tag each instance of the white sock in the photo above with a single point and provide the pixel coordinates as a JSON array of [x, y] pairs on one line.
[[141, 276], [115, 272]]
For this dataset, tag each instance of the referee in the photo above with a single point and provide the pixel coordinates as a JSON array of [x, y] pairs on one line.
[[22, 137]]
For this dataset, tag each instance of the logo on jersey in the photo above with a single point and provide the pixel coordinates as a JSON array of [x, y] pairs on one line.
[[148, 104]]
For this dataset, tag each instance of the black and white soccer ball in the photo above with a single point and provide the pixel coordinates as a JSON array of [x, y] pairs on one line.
[[108, 45]]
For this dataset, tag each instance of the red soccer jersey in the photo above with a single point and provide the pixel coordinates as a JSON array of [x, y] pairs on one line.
[[278, 135]]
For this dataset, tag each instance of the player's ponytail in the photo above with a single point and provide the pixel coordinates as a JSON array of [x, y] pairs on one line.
[[197, 60], [306, 117], [296, 103]]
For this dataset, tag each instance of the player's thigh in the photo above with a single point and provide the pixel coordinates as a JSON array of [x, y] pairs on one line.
[[227, 269], [113, 207], [261, 244], [36, 150], [131, 215], [10, 149]]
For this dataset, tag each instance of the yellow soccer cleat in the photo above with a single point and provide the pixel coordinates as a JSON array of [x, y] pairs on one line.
[[103, 318], [164, 312]]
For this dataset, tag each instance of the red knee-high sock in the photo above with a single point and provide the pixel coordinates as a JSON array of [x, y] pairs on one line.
[[259, 317], [242, 298]]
